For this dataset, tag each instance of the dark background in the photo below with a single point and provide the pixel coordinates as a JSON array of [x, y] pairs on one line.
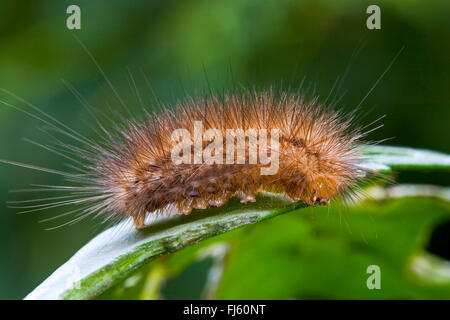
[[191, 46]]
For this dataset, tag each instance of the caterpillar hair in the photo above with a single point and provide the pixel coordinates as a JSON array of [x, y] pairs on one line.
[[132, 173], [179, 158]]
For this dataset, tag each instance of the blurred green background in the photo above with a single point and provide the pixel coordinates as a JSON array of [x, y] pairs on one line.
[[189, 46]]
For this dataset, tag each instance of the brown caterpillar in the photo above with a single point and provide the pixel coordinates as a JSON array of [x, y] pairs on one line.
[[132, 173], [317, 156]]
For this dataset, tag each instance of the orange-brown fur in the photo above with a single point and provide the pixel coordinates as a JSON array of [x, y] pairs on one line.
[[317, 156]]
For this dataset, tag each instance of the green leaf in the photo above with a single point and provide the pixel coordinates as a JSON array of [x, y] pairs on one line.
[[116, 253], [386, 158], [325, 254], [321, 253]]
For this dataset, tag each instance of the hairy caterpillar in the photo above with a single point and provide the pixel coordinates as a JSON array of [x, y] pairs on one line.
[[132, 173]]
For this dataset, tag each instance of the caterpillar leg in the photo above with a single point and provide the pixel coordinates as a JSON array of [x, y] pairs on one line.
[[139, 222], [185, 206], [249, 196]]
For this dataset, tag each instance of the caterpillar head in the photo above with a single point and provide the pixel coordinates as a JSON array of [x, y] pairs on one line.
[[321, 190]]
